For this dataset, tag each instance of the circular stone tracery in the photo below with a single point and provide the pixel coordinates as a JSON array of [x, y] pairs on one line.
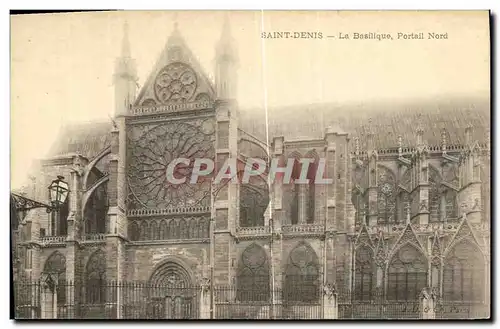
[[176, 82]]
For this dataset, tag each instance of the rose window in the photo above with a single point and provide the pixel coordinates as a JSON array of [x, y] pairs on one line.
[[176, 82]]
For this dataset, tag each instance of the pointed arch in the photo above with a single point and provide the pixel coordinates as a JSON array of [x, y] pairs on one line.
[[293, 189], [485, 192], [360, 203], [310, 189], [386, 196], [183, 229], [254, 200], [56, 264], [407, 273], [442, 199], [464, 272], [302, 275], [172, 229], [434, 195], [153, 230], [95, 278], [144, 229], [171, 273], [403, 206], [134, 231], [364, 273], [193, 228], [171, 295], [253, 279], [162, 231]]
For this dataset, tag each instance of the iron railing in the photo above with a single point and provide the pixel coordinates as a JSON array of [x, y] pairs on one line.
[[141, 300]]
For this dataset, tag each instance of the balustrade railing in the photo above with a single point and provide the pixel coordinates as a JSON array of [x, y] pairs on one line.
[[94, 237], [53, 239], [256, 230], [138, 110], [305, 228]]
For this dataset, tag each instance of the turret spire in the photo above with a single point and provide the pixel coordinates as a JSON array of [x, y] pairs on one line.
[[125, 42], [226, 60], [125, 75]]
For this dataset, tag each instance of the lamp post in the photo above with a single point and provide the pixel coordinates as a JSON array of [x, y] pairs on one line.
[[58, 192]]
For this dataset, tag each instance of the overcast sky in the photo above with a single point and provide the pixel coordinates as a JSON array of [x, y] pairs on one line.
[[62, 65]]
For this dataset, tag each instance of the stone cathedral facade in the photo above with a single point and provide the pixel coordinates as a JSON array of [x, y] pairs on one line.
[[408, 209]]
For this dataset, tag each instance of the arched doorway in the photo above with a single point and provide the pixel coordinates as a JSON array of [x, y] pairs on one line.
[[171, 294]]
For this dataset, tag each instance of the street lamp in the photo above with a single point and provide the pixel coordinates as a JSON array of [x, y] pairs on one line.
[[58, 192]]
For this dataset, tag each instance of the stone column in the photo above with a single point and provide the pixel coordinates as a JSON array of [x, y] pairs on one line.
[[73, 260], [421, 193], [205, 299], [48, 296], [302, 203], [330, 304], [427, 304]]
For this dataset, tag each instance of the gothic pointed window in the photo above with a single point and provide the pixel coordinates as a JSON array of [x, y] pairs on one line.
[[153, 230], [144, 229], [56, 264], [450, 200], [302, 282], [407, 274], [403, 207], [364, 274], [359, 202], [310, 188], [254, 199], [386, 196], [162, 230], [96, 211], [463, 273], [435, 202], [485, 193], [442, 199], [253, 275], [294, 190], [134, 232], [95, 278]]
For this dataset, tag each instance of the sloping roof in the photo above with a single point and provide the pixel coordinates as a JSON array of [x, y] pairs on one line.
[[86, 139], [386, 121]]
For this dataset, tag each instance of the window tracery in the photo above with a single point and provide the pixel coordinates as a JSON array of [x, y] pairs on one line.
[[442, 199], [253, 275], [96, 211], [253, 204], [361, 206], [407, 274], [463, 273], [56, 264], [386, 197], [95, 278], [176, 82], [152, 148], [302, 275], [364, 274]]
